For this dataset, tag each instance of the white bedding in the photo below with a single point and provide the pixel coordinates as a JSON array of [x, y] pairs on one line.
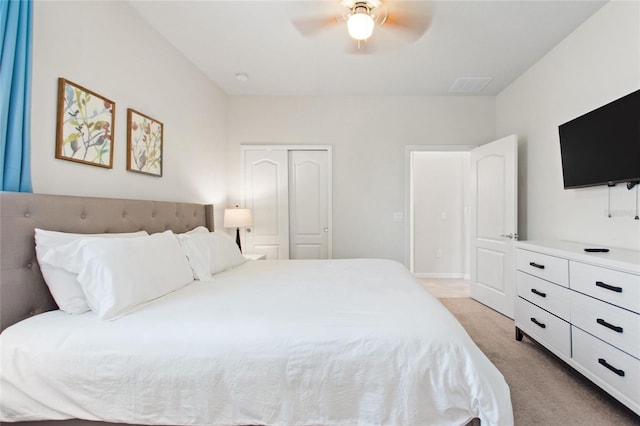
[[338, 342]]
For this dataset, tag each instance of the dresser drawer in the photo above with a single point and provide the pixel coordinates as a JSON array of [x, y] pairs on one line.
[[550, 268], [619, 288], [544, 327], [548, 296], [618, 327], [609, 364]]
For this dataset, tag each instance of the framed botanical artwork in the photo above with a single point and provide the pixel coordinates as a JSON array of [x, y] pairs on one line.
[[144, 143], [85, 125]]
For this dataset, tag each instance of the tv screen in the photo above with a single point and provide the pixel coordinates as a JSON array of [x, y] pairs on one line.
[[602, 147]]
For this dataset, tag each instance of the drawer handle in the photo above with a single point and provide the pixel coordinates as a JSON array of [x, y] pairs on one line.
[[539, 293], [538, 323], [604, 362], [536, 265], [608, 287], [611, 326]]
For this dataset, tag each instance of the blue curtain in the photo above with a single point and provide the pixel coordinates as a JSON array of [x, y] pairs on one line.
[[15, 89]]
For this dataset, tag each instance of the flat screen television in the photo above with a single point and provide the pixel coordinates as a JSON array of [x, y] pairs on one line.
[[602, 147]]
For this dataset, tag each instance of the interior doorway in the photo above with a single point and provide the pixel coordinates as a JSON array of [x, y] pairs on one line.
[[438, 205], [489, 217]]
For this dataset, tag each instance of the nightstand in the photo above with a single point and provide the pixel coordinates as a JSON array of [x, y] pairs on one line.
[[255, 256]]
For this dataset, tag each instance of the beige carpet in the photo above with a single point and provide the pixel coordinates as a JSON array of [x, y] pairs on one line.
[[446, 287], [544, 390]]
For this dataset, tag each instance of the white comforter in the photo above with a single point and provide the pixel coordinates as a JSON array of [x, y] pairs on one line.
[[339, 342]]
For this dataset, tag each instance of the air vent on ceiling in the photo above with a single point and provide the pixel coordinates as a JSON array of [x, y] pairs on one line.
[[469, 84]]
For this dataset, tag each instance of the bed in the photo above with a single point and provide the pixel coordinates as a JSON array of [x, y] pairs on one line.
[[314, 342]]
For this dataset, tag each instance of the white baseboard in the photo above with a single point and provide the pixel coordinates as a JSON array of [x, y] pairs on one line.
[[442, 275]]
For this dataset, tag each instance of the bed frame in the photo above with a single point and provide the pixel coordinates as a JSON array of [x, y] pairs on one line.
[[23, 292]]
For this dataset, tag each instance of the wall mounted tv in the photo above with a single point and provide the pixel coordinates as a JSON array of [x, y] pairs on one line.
[[602, 147]]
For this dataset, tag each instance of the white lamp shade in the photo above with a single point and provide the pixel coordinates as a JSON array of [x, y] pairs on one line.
[[360, 26], [237, 218]]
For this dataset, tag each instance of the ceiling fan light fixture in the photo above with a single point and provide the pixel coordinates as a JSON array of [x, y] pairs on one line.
[[360, 24]]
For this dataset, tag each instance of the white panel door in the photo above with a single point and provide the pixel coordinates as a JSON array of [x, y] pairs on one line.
[[494, 226], [266, 194], [308, 205]]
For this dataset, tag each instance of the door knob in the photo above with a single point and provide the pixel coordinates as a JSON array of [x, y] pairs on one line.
[[326, 229]]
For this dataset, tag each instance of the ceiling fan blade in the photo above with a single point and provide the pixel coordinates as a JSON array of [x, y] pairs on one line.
[[413, 18], [313, 17], [311, 26]]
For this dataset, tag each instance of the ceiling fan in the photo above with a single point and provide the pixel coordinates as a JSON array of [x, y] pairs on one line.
[[407, 19]]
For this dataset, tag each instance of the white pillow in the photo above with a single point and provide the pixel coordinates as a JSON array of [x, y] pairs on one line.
[[198, 254], [64, 285], [197, 230], [117, 275], [211, 253]]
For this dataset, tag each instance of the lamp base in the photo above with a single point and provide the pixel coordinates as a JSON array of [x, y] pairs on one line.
[[238, 239]]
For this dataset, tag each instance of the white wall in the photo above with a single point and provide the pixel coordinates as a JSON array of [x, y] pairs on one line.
[[440, 185], [597, 63], [107, 48], [368, 135]]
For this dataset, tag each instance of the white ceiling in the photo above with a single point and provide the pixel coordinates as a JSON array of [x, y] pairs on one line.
[[481, 38]]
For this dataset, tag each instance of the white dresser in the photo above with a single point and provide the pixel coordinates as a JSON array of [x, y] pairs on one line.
[[585, 308]]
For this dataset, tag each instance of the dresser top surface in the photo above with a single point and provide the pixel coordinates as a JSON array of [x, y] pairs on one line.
[[618, 259]]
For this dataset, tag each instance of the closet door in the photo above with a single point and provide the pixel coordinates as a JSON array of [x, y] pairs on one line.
[[308, 205], [266, 194]]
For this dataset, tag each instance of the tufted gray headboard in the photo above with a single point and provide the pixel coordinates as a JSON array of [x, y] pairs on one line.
[[23, 292]]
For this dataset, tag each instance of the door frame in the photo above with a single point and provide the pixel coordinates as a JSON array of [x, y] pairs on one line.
[[296, 147], [409, 224]]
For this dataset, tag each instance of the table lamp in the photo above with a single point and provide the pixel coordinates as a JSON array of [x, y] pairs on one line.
[[236, 218]]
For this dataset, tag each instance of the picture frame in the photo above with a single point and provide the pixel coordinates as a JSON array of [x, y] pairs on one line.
[[85, 125], [144, 143]]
